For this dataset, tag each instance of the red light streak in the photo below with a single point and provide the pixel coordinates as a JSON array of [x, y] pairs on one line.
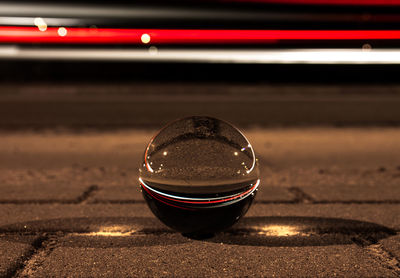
[[152, 194], [168, 36], [202, 202]]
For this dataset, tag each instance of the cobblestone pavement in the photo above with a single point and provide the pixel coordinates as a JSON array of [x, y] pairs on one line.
[[328, 205]]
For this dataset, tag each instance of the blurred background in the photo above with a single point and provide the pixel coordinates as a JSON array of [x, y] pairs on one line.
[[123, 64]]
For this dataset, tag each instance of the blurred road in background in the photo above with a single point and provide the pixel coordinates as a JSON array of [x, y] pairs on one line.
[[145, 104]]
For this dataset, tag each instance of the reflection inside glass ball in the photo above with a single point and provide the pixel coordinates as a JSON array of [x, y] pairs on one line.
[[199, 175]]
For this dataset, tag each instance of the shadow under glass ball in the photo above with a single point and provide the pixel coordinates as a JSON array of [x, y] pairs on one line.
[[199, 175]]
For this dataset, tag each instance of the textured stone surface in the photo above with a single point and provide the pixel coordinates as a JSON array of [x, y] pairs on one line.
[[386, 215], [118, 194], [13, 250], [177, 256], [35, 214], [357, 193], [273, 194], [41, 192], [392, 245]]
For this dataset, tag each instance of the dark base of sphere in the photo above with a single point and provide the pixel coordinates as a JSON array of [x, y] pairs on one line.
[[198, 223]]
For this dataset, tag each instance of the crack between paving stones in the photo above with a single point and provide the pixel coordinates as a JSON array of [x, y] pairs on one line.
[[384, 257], [378, 253], [42, 248], [87, 194], [80, 200], [20, 264], [300, 196]]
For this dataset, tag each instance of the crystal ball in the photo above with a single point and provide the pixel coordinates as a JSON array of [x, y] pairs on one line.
[[199, 175]]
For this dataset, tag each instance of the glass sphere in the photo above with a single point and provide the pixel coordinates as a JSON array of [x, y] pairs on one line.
[[199, 175]]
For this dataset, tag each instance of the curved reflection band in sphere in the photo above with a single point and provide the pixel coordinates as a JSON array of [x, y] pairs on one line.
[[199, 175]]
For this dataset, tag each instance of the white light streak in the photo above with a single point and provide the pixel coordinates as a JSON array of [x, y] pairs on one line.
[[198, 199], [289, 56], [21, 21], [38, 21]]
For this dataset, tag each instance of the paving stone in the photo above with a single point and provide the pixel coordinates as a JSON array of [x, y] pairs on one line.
[[273, 194], [41, 192], [292, 231], [392, 244], [102, 240], [32, 214], [347, 193], [288, 157], [173, 255], [251, 230], [328, 148], [13, 250], [334, 175], [117, 194], [110, 225], [382, 214], [74, 175], [83, 152]]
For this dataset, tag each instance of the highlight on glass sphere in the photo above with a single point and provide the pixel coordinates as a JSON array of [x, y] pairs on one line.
[[199, 175]]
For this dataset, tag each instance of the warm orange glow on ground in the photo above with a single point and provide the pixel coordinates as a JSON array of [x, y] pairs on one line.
[[280, 231], [112, 231]]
